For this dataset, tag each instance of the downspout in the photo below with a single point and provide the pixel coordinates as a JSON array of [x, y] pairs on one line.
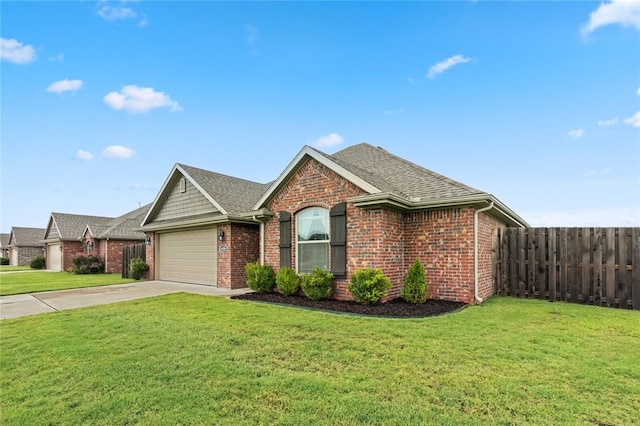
[[106, 254], [475, 251]]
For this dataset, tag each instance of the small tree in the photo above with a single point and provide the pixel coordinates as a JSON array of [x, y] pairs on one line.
[[415, 284], [260, 278], [369, 285], [138, 268], [318, 284], [287, 281], [37, 262]]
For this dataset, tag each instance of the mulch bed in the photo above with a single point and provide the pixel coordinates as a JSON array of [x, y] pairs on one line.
[[392, 308]]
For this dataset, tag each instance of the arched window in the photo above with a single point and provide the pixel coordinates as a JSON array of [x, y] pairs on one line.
[[312, 237]]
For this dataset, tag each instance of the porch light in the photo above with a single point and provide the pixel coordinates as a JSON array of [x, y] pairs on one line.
[[147, 240], [221, 235]]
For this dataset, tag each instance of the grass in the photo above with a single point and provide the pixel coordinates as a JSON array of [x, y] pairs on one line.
[[45, 281], [189, 359], [7, 268]]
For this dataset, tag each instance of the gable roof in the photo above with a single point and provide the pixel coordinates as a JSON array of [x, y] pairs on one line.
[[392, 181], [231, 196], [25, 237], [122, 227], [72, 226], [4, 240]]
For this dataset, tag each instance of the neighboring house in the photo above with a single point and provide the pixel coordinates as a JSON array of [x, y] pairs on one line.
[[107, 240], [4, 245], [68, 235], [24, 244], [361, 207]]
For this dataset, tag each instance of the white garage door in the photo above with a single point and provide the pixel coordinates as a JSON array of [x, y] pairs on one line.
[[13, 256], [188, 256], [54, 257]]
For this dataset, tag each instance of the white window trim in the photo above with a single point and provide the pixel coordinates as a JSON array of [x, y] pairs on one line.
[[327, 241]]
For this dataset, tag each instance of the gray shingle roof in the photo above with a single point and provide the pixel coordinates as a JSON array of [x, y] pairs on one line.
[[26, 237], [234, 195], [399, 176], [4, 240], [71, 226], [123, 227]]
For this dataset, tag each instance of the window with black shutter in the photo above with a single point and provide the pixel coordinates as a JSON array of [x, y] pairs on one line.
[[338, 214], [285, 239]]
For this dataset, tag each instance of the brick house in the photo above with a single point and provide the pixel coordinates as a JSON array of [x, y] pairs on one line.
[[24, 244], [68, 235], [361, 207], [4, 245]]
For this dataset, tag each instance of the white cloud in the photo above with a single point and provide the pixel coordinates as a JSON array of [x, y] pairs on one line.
[[139, 99], [634, 120], [638, 91], [576, 133], [14, 51], [64, 86], [332, 139], [84, 155], [118, 151], [119, 12], [607, 123], [623, 12], [58, 58], [441, 67]]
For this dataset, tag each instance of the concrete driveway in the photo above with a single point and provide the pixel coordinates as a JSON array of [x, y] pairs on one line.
[[21, 305]]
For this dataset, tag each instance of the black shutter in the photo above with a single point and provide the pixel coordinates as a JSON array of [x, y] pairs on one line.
[[285, 239], [338, 215]]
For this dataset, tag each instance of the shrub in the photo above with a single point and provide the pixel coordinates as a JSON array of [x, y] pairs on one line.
[[260, 278], [288, 281], [317, 284], [137, 268], [4, 260], [369, 285], [37, 262], [415, 284], [87, 264]]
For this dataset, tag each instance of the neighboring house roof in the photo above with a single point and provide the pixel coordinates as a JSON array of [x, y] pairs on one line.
[[122, 227], [231, 198], [25, 237], [4, 240]]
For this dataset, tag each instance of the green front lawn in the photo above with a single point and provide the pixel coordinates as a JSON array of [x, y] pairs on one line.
[[31, 282], [8, 268], [189, 359]]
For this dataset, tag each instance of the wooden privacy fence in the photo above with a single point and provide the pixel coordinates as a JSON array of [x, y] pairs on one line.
[[599, 266], [131, 252]]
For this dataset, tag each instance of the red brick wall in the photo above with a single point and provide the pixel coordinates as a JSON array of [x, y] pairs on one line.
[[243, 246], [70, 249], [487, 253], [443, 240], [113, 254]]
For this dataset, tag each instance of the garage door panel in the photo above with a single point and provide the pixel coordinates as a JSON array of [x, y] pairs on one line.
[[54, 257], [188, 256]]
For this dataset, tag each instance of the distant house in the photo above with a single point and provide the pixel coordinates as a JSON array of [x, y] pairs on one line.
[[361, 207], [4, 245], [24, 244], [68, 235]]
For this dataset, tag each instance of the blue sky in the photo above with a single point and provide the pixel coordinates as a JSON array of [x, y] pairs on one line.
[[537, 103]]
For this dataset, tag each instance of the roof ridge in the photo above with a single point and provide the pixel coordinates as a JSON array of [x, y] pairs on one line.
[[219, 174]]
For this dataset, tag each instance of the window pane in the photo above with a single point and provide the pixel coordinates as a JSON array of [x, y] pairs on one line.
[[311, 256], [313, 225]]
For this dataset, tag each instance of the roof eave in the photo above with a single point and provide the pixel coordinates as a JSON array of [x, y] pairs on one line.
[[218, 220], [395, 202]]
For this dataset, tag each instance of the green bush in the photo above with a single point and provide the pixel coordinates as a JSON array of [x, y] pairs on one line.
[[287, 281], [37, 262], [87, 264], [415, 284], [318, 284], [260, 278], [137, 268], [369, 285], [4, 260]]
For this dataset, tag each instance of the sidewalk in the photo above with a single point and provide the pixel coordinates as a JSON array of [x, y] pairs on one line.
[[20, 305]]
